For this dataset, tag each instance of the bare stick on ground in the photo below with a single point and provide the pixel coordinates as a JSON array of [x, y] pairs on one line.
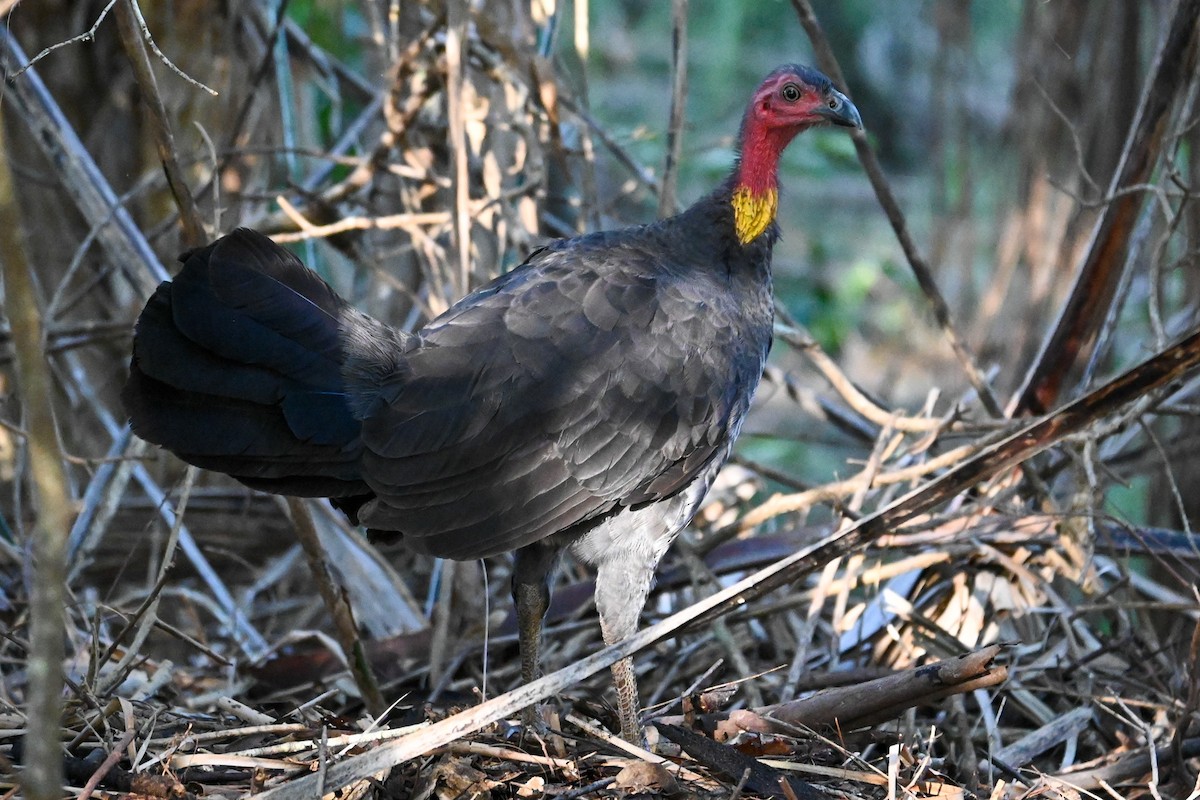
[[862, 704]]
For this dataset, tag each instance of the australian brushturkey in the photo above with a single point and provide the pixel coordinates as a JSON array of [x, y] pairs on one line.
[[585, 400]]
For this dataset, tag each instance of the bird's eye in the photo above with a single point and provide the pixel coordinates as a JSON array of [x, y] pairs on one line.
[[834, 103], [790, 92]]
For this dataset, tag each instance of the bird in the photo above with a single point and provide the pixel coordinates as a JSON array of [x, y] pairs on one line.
[[584, 400]]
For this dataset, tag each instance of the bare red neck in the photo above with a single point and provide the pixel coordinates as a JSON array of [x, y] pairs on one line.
[[756, 177], [761, 147]]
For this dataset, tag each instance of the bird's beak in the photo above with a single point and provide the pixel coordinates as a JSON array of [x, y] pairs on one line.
[[838, 110]]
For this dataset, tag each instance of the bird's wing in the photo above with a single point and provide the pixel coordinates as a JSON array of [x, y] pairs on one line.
[[552, 397]]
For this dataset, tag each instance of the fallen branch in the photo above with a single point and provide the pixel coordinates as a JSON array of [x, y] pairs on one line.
[[863, 704], [1129, 767]]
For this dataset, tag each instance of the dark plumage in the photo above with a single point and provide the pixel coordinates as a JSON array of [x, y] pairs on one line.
[[585, 399]]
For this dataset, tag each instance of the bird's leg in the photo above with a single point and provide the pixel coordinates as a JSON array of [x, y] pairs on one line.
[[623, 582], [532, 567], [628, 705], [531, 603]]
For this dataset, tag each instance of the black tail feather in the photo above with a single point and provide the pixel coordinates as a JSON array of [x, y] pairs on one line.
[[237, 368]]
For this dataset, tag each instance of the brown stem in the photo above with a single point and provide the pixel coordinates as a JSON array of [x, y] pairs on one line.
[[156, 113], [339, 608], [679, 15], [456, 130]]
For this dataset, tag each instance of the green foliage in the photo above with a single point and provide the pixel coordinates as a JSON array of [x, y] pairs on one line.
[[1127, 501], [834, 307], [336, 27]]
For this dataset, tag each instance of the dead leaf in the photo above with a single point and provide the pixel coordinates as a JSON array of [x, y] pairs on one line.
[[534, 787], [642, 776]]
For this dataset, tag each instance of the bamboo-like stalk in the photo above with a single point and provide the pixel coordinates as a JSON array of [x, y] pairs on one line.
[[43, 775]]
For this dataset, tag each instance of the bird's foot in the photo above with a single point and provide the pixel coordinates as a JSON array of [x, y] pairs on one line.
[[633, 732], [533, 721]]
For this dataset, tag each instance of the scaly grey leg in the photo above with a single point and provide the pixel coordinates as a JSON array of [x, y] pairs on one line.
[[532, 568]]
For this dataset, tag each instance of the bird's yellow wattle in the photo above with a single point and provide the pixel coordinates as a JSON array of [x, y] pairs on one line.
[[753, 212]]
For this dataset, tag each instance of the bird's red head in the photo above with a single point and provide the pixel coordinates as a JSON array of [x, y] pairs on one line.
[[791, 99]]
